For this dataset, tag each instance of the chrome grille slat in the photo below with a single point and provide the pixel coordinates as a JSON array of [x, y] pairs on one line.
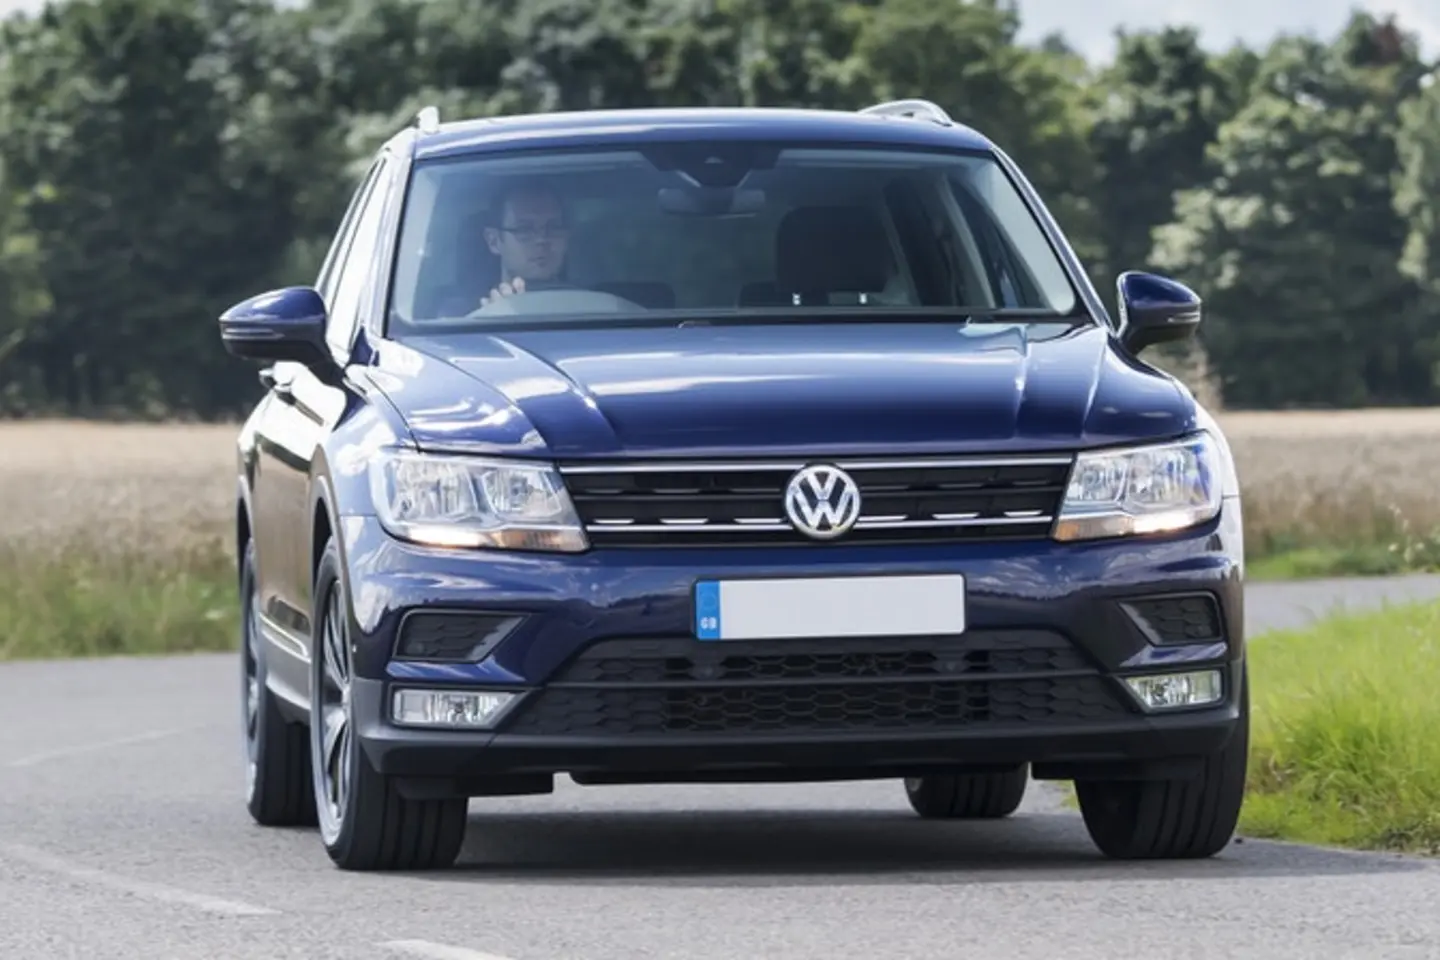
[[790, 466], [872, 523], [927, 499]]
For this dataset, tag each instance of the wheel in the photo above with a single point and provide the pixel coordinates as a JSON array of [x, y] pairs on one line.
[[968, 796], [365, 823], [277, 752], [1172, 819]]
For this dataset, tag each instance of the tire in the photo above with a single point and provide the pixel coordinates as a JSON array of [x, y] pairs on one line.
[[365, 824], [968, 796], [1172, 819], [277, 752]]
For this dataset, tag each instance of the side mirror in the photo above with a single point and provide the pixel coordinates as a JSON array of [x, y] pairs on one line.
[[280, 325], [1155, 309]]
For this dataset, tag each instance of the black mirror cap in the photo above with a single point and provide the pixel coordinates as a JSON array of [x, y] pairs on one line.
[[1155, 309], [279, 325]]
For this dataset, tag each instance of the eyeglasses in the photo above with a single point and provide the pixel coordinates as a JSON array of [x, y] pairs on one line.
[[551, 231]]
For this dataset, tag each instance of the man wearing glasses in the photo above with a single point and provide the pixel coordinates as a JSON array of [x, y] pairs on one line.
[[529, 234]]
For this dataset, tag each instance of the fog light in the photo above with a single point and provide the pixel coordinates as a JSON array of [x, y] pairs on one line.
[[463, 709], [1168, 691]]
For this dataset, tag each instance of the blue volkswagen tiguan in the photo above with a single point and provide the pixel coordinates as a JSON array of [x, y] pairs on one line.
[[727, 445]]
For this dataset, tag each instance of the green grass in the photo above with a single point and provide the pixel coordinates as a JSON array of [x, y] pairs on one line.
[[1363, 543], [1331, 541], [1345, 748], [78, 602], [1364, 560]]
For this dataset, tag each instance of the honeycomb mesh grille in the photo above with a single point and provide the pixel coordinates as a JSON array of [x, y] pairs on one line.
[[655, 661], [684, 687], [817, 708], [1193, 618], [452, 636]]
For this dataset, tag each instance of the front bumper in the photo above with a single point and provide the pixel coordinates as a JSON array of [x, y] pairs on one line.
[[615, 687], [1134, 745]]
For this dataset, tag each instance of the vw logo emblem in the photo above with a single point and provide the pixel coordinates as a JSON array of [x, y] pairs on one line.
[[822, 501]]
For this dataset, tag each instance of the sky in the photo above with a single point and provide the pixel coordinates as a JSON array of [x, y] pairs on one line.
[[1090, 24]]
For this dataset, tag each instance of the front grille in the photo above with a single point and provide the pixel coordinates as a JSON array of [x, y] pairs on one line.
[[730, 504], [681, 687]]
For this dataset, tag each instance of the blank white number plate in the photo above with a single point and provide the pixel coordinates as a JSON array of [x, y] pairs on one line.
[[829, 607]]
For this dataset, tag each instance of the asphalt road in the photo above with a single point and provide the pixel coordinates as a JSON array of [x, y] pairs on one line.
[[122, 835]]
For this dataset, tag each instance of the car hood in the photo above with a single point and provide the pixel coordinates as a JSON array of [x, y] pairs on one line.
[[793, 389]]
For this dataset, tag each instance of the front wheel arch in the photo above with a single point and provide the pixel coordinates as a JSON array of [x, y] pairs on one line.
[[244, 530], [324, 529], [375, 826]]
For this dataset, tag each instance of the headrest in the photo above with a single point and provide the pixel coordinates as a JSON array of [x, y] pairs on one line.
[[474, 263], [823, 250], [761, 293], [471, 227]]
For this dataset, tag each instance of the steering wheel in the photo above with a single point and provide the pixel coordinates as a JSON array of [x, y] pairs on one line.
[[555, 297]]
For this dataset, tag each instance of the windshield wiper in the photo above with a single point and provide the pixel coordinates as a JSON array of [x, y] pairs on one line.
[[1001, 314], [879, 313]]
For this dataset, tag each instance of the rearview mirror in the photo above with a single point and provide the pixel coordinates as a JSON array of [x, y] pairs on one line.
[[279, 325], [1155, 309], [711, 201]]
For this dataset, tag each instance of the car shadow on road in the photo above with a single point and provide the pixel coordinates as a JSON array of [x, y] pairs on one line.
[[796, 847]]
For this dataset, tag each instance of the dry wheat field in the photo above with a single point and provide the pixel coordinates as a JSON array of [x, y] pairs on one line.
[[1307, 477], [115, 539], [1337, 477], [115, 487]]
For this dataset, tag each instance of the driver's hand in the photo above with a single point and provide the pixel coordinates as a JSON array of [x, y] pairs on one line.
[[504, 290]]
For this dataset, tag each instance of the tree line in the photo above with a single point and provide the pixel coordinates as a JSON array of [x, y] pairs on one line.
[[161, 159]]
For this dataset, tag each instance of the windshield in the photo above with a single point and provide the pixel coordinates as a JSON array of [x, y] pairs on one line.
[[717, 230]]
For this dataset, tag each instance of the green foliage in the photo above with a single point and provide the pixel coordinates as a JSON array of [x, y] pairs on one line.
[[1417, 199], [1158, 108], [1295, 238], [24, 298], [160, 159], [126, 157]]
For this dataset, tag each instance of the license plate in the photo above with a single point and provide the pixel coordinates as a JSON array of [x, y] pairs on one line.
[[830, 607]]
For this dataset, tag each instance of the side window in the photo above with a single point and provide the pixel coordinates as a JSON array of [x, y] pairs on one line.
[[329, 269], [355, 259]]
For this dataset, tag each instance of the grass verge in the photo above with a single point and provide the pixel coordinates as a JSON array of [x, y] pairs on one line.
[[1345, 751], [1356, 560], [74, 602], [1333, 535]]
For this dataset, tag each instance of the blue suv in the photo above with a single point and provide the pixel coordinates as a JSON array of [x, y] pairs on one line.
[[727, 445]]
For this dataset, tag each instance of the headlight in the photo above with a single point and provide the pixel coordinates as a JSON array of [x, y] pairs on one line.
[[446, 501], [1152, 489]]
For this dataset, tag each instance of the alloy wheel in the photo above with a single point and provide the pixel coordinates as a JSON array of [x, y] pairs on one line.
[[332, 730], [250, 691]]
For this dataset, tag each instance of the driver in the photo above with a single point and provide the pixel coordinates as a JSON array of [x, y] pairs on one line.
[[529, 233]]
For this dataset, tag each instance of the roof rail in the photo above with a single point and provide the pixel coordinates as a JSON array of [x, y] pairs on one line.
[[428, 119], [918, 109]]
